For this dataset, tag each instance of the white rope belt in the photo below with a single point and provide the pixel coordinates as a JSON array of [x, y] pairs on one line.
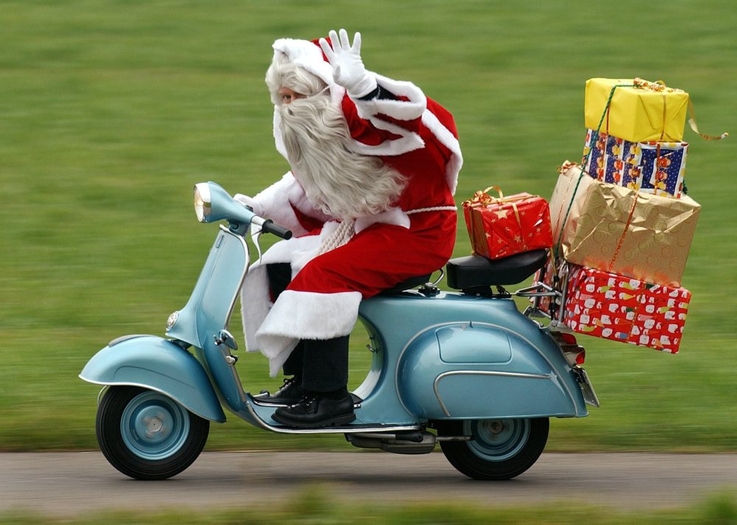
[[434, 208], [339, 237], [345, 230]]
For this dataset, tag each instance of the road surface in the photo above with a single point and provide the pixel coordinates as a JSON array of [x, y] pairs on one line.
[[81, 483]]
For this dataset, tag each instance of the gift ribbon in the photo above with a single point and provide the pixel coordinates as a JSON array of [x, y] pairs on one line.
[[638, 83], [657, 87], [561, 222], [620, 242], [483, 199], [605, 114], [695, 128], [566, 166]]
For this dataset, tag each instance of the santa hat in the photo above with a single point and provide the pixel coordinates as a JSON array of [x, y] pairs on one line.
[[308, 55]]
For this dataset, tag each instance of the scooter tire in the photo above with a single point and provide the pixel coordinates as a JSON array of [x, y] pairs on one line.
[[495, 449], [147, 435]]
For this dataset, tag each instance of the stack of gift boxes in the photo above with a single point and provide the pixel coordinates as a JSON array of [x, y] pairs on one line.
[[622, 224]]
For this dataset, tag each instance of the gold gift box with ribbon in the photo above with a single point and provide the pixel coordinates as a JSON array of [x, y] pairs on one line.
[[619, 230], [635, 110]]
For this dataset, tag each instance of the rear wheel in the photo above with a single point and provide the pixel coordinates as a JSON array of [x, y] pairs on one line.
[[147, 435], [497, 449]]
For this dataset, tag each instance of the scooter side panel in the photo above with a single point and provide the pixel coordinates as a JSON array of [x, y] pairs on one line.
[[153, 362], [463, 357], [482, 386]]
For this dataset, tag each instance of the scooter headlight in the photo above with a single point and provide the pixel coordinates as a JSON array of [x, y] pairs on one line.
[[212, 203], [202, 201], [172, 320]]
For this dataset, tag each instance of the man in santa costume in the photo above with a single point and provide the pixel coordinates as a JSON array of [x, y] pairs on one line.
[[369, 197]]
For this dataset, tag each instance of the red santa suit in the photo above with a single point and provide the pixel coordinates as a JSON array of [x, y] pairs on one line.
[[411, 133]]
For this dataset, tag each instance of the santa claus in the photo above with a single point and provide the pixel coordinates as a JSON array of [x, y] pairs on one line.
[[374, 165]]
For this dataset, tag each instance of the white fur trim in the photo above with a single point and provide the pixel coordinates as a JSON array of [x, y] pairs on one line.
[[255, 303], [305, 315], [255, 297], [312, 245], [409, 141], [307, 55], [391, 216], [409, 109], [446, 137]]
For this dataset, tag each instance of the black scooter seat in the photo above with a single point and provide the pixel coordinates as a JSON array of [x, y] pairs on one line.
[[476, 271]]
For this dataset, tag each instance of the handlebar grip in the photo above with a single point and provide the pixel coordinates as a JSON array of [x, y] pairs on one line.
[[269, 227]]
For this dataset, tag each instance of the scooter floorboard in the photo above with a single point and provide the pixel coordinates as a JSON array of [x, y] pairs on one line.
[[261, 416]]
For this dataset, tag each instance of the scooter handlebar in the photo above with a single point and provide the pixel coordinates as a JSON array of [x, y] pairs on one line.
[[268, 226], [279, 231]]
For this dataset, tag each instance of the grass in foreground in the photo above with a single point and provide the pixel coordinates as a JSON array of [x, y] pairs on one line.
[[316, 507]]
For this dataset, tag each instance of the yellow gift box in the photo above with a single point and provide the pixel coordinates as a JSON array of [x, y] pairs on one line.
[[619, 230], [635, 110]]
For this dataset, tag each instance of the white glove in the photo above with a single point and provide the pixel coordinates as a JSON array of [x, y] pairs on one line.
[[250, 202], [348, 68]]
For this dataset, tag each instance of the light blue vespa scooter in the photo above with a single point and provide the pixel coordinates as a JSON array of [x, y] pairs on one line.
[[464, 369]]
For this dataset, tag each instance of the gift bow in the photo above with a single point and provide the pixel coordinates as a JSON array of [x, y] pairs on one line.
[[660, 87], [483, 199], [657, 86]]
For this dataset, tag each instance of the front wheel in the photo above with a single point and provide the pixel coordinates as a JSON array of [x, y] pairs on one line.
[[147, 435], [496, 449]]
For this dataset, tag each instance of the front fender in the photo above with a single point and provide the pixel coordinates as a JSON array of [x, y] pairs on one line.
[[153, 362]]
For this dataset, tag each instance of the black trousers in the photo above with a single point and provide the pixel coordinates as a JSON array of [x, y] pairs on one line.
[[322, 365]]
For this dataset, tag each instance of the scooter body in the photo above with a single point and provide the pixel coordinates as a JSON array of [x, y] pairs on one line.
[[469, 366]]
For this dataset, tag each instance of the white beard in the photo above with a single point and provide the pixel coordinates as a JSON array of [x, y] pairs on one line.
[[338, 181]]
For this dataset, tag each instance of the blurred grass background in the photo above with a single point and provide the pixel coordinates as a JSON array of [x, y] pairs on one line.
[[111, 110]]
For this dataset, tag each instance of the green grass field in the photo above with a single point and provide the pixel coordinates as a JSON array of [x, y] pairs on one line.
[[111, 110], [316, 505]]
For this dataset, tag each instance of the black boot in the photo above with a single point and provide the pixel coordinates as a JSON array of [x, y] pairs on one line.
[[324, 378], [318, 410], [289, 393]]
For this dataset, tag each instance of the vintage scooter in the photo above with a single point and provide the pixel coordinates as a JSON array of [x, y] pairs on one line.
[[465, 369]]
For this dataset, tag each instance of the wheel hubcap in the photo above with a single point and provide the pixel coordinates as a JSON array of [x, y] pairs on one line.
[[153, 426], [497, 439]]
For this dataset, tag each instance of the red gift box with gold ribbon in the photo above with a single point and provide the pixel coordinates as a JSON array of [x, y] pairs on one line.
[[603, 304], [502, 226]]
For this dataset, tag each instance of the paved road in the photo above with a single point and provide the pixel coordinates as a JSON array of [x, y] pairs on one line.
[[68, 484]]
